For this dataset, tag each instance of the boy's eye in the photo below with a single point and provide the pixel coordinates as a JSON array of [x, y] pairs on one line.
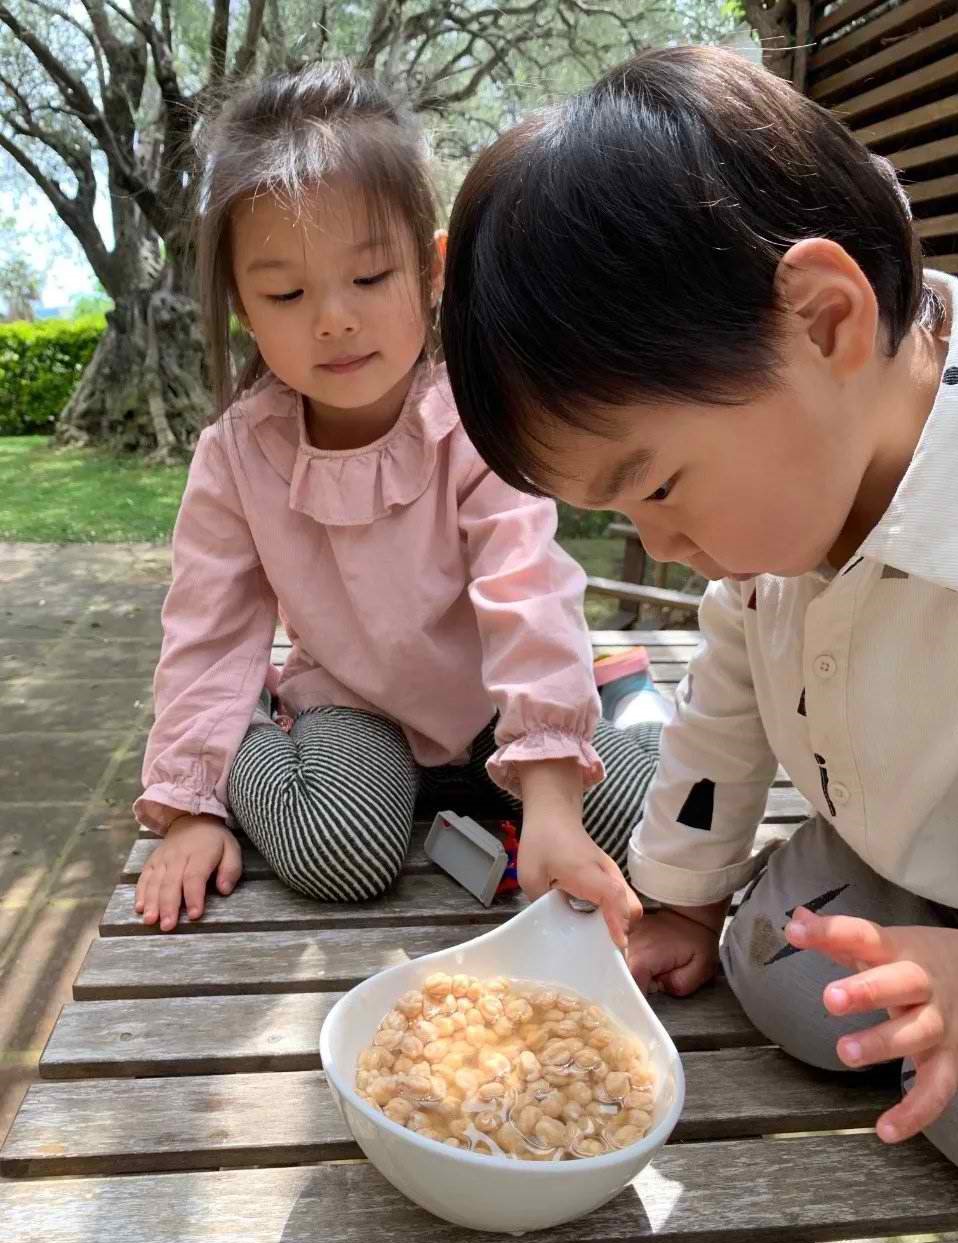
[[372, 280], [662, 493], [285, 297]]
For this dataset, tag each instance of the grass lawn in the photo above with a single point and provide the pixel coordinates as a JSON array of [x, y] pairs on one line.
[[78, 496]]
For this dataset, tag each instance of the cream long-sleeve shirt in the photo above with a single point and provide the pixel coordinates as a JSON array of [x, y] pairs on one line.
[[848, 679], [413, 582]]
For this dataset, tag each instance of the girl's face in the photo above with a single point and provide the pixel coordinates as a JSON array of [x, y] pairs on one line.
[[765, 487], [336, 312]]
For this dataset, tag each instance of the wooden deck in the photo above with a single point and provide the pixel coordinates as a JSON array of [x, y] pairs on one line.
[[182, 1098]]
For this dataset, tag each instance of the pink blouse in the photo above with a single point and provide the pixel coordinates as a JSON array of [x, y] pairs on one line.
[[412, 581]]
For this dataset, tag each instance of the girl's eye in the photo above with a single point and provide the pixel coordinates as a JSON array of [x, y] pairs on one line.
[[662, 493], [285, 297], [365, 281]]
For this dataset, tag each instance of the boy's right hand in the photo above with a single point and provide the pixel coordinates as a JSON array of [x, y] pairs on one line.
[[672, 952], [177, 871]]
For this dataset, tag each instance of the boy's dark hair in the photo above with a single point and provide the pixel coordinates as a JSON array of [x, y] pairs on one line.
[[622, 247], [287, 135]]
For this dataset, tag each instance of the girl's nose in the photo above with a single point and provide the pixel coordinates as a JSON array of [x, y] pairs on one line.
[[335, 321]]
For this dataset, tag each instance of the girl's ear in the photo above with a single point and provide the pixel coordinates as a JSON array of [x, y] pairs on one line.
[[440, 238]]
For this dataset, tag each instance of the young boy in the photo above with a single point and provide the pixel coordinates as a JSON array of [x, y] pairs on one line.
[[691, 295]]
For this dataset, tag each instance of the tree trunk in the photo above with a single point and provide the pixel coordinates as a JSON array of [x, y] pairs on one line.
[[144, 390]]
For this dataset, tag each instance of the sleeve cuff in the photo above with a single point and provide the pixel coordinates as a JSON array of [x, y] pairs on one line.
[[544, 744], [677, 886], [159, 806]]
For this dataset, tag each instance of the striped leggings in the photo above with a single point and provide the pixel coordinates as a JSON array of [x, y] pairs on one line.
[[330, 805]]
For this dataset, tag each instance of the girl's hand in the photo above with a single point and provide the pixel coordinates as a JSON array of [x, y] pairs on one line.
[[565, 857], [912, 972], [556, 851], [194, 848]]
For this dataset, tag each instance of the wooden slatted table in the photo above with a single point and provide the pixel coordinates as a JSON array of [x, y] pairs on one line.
[[182, 1099]]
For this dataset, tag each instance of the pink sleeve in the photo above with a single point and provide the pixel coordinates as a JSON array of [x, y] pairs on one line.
[[218, 625], [537, 658]]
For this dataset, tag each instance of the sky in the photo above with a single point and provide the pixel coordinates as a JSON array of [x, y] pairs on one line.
[[43, 239]]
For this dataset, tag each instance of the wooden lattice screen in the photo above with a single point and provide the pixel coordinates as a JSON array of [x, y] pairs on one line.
[[889, 68]]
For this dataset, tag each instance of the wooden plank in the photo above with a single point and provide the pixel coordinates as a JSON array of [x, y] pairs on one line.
[[642, 594], [901, 90], [216, 1035], [938, 34], [276, 962], [267, 905], [935, 188], [784, 806], [134, 1125], [907, 123], [898, 20], [945, 263], [937, 226], [255, 866], [927, 153], [431, 898], [788, 1191]]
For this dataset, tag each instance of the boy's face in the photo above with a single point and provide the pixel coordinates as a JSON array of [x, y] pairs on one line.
[[765, 487]]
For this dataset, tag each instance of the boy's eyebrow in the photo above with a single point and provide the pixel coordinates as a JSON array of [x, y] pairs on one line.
[[631, 469]]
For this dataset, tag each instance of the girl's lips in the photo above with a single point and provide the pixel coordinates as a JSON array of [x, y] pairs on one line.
[[352, 364]]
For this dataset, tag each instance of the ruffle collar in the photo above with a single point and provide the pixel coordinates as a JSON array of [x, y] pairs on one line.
[[353, 487]]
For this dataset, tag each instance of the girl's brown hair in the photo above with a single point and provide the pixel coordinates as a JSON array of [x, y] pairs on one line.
[[286, 136]]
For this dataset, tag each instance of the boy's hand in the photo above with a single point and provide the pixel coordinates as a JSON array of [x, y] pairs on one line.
[[912, 972], [673, 953], [563, 856], [194, 848]]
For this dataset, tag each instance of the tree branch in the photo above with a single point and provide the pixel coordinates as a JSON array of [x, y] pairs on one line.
[[219, 38], [246, 52]]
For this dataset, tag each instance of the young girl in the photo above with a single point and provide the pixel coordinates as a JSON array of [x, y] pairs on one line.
[[438, 640], [691, 295]]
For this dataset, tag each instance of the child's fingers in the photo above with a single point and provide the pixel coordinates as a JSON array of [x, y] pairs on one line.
[[195, 875], [844, 938], [148, 904], [933, 1090], [231, 867], [917, 1031], [687, 979], [879, 988], [171, 897]]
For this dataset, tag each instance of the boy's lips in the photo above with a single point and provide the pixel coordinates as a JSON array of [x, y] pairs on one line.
[[346, 363]]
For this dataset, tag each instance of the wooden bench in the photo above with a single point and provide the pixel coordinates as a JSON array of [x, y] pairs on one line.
[[632, 592], [182, 1099]]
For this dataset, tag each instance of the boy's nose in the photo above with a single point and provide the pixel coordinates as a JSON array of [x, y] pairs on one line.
[[662, 544]]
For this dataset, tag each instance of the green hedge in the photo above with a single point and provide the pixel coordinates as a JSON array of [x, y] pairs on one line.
[[40, 365]]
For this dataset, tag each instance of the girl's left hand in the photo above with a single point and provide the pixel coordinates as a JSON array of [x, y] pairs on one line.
[[912, 972]]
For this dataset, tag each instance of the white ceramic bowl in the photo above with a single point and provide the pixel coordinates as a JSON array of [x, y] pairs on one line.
[[547, 942]]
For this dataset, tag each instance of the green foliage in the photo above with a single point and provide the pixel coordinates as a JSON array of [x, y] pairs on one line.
[[583, 523], [39, 366]]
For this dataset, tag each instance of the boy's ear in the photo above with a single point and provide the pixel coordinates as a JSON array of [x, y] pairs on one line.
[[831, 304], [440, 238]]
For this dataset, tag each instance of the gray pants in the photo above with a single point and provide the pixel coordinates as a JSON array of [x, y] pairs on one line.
[[780, 988]]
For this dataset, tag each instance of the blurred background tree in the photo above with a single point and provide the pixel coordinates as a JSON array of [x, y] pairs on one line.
[[99, 100]]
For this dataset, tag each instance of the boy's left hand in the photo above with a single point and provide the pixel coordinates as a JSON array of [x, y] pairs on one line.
[[913, 973]]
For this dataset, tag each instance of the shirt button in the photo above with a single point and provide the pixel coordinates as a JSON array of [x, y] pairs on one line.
[[840, 794], [825, 666]]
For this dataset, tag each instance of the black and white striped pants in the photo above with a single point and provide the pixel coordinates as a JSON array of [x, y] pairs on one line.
[[330, 805]]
